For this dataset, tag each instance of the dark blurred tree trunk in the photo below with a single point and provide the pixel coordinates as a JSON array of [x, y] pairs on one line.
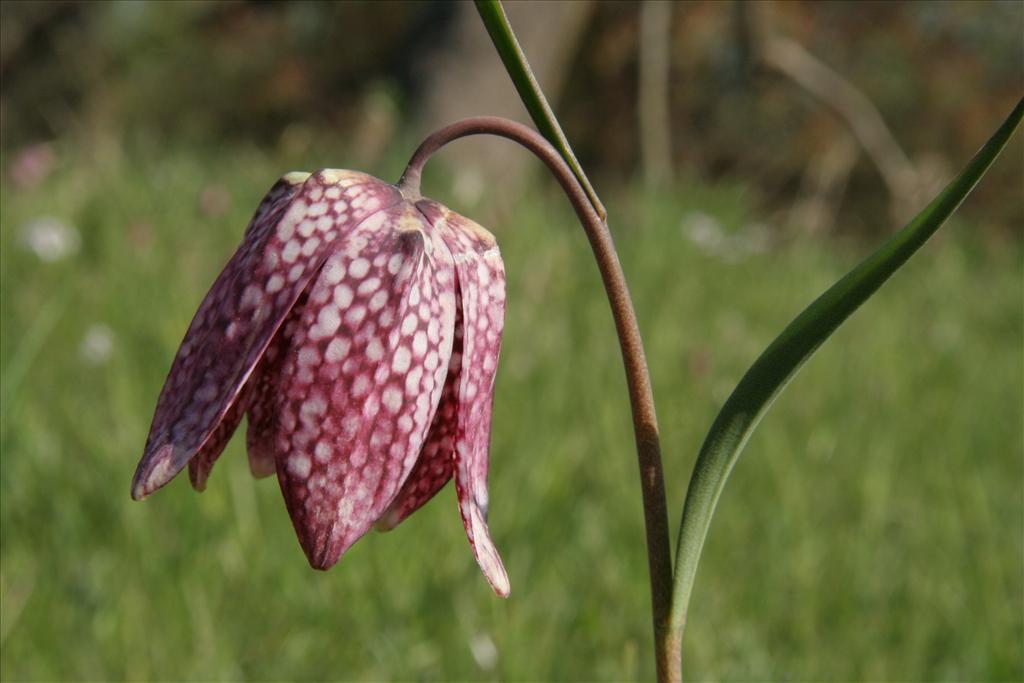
[[466, 78]]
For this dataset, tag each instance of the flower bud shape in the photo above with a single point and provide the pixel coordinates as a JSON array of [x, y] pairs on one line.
[[358, 329]]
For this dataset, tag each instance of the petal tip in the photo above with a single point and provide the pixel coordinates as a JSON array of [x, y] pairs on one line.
[[154, 472], [261, 467], [320, 552], [388, 521], [198, 480], [487, 555], [137, 492], [498, 579], [321, 558], [503, 593]]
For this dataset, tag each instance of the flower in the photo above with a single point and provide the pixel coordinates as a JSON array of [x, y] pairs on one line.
[[51, 239], [358, 327], [32, 165], [97, 344]]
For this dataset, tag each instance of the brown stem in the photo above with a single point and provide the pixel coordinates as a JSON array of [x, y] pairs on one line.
[[645, 423]]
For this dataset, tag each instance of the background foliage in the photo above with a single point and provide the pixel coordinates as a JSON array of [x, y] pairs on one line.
[[873, 531]]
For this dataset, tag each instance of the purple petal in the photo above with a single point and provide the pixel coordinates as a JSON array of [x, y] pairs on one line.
[[481, 287], [201, 464], [266, 382], [362, 380], [436, 463], [291, 235]]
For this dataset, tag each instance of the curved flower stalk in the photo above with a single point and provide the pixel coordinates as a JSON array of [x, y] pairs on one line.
[[634, 359], [358, 328]]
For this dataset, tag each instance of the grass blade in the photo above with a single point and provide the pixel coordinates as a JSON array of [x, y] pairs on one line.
[[787, 353], [512, 55]]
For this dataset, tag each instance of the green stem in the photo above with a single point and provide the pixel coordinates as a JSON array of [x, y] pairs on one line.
[[496, 23]]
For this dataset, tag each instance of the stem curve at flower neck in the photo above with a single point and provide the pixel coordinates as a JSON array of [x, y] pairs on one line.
[[645, 423]]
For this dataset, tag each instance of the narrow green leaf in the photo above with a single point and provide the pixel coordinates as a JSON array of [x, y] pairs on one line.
[[780, 361], [498, 28]]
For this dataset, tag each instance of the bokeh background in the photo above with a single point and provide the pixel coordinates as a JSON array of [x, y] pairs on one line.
[[748, 156]]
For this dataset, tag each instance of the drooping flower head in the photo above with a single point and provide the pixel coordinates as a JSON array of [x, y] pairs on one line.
[[358, 329]]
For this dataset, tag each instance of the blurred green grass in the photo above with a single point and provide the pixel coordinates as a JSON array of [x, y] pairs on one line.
[[872, 531]]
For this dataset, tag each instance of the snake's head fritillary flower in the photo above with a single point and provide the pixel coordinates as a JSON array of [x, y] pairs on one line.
[[358, 330]]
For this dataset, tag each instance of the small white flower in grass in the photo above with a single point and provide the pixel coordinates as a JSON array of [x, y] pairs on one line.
[[705, 232], [51, 239], [97, 344], [484, 652]]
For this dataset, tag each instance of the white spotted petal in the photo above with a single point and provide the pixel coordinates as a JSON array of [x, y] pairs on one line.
[[266, 380], [480, 280], [359, 331], [243, 310], [352, 414], [436, 463]]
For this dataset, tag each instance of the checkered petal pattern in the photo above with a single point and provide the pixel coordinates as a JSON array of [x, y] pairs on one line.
[[359, 332]]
